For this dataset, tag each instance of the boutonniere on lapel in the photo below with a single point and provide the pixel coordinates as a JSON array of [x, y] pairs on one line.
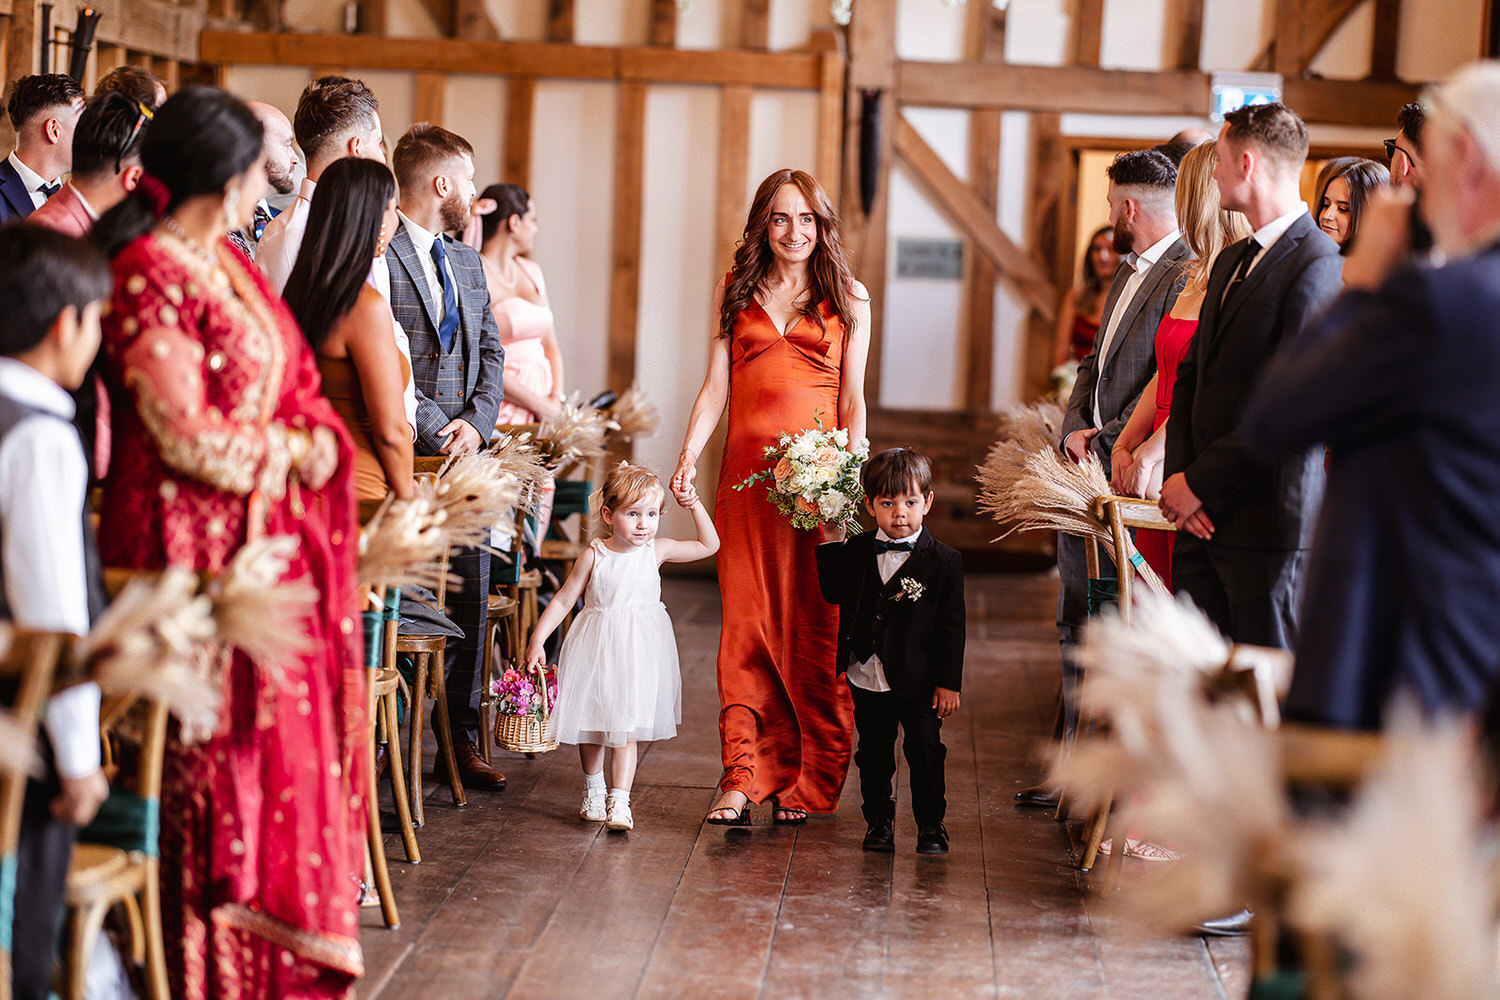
[[910, 590]]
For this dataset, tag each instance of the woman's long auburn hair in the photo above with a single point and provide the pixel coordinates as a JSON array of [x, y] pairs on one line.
[[829, 277]]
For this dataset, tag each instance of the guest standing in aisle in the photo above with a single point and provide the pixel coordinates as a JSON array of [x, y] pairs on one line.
[[790, 349]]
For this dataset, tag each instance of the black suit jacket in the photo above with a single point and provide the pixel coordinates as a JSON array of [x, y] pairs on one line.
[[920, 641], [1254, 502], [15, 200], [1403, 584]]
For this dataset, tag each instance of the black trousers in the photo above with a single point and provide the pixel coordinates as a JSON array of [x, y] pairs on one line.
[[463, 657], [876, 716], [42, 857], [1254, 596]]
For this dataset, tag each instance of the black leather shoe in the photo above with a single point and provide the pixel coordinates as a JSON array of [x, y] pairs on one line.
[[880, 838], [1234, 925], [932, 840], [1040, 796], [382, 760]]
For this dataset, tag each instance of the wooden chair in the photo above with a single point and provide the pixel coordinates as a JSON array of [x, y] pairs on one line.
[[502, 616], [116, 861], [29, 664]]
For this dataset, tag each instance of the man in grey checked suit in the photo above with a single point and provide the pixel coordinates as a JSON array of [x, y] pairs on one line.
[[1244, 522], [1142, 187], [439, 296]]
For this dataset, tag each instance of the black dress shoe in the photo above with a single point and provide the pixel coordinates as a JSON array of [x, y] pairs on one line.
[[1038, 795], [880, 838], [1234, 925], [932, 840]]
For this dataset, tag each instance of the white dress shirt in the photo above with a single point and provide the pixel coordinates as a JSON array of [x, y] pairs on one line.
[[1274, 230], [282, 238], [34, 181], [870, 675], [43, 489], [423, 240], [1141, 264]]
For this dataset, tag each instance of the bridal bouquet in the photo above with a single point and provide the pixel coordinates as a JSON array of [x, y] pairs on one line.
[[814, 477]]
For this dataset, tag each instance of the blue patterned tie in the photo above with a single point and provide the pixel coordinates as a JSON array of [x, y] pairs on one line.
[[449, 326]]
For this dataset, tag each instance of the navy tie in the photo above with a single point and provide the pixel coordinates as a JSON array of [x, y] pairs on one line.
[[48, 190], [449, 326], [882, 546]]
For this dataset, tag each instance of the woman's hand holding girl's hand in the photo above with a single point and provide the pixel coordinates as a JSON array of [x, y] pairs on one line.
[[682, 479], [321, 460], [685, 498]]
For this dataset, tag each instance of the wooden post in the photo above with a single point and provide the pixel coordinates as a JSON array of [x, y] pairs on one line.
[[559, 20], [1387, 37], [755, 24], [1088, 32], [734, 166], [520, 108], [1189, 23], [664, 23], [830, 151], [872, 66], [428, 97], [1289, 60], [472, 21], [625, 281], [21, 43], [372, 16], [986, 44], [1052, 199]]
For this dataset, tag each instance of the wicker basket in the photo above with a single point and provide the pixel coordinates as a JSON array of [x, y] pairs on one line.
[[525, 733]]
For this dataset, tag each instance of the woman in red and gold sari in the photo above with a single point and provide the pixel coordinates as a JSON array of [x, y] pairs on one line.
[[220, 437]]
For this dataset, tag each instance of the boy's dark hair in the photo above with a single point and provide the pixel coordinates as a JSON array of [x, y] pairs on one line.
[[42, 272], [109, 135], [895, 471], [31, 95], [136, 82], [1410, 120], [1276, 129]]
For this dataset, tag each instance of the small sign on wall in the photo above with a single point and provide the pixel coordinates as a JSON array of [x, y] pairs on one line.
[[1232, 91], [940, 259]]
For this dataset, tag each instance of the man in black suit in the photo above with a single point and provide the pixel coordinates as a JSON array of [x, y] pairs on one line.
[[1403, 385], [1244, 522], [1143, 213], [44, 110], [900, 595], [439, 296]]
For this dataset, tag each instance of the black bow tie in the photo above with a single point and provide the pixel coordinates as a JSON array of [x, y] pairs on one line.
[[881, 545], [49, 189]]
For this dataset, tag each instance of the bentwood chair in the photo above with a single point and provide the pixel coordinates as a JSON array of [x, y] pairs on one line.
[[27, 667]]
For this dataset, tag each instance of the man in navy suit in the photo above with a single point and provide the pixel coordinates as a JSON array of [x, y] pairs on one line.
[[44, 110], [439, 296], [1245, 521], [1404, 387]]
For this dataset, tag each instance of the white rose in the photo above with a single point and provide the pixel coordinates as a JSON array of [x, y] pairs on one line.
[[841, 437], [831, 505]]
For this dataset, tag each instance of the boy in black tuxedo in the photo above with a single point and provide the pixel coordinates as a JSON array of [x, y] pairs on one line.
[[900, 594]]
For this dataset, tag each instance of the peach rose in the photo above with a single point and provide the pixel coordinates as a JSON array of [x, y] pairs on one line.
[[783, 470], [806, 506], [826, 456]]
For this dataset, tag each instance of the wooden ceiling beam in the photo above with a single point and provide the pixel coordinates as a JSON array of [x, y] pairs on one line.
[[559, 20], [1319, 19], [1088, 32], [1387, 38], [1189, 33], [796, 70], [664, 23]]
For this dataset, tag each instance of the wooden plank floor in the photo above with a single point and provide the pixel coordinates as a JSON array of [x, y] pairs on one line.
[[515, 897]]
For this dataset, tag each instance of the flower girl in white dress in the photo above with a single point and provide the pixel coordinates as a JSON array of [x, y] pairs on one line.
[[617, 679]]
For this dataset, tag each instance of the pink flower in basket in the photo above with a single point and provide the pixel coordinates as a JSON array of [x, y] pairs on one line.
[[517, 693]]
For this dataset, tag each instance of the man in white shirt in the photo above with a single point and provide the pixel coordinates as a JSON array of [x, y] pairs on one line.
[[44, 110], [49, 570]]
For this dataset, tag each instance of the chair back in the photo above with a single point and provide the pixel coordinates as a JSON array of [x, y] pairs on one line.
[[27, 668], [130, 819]]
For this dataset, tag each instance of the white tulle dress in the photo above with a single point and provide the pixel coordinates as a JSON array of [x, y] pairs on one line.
[[617, 674]]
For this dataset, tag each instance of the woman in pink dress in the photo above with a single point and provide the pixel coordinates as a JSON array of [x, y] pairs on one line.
[[533, 362], [221, 436], [1141, 447]]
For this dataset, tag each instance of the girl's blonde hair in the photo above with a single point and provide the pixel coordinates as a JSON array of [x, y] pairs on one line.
[[626, 485], [1206, 228]]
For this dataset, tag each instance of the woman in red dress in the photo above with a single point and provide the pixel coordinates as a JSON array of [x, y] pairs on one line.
[[1141, 447], [1080, 310], [791, 348], [220, 437]]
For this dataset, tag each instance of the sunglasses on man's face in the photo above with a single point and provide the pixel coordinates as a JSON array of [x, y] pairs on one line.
[[1391, 149]]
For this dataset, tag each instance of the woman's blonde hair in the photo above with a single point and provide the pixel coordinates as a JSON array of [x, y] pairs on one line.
[[626, 485], [1205, 227]]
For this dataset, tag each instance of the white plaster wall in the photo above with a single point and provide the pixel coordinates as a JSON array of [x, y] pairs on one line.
[[475, 107]]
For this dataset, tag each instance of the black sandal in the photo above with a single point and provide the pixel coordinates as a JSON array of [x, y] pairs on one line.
[[797, 820], [741, 818]]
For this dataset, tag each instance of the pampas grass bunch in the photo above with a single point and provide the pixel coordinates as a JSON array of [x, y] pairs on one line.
[[577, 433], [472, 496], [403, 545], [633, 414], [257, 609], [517, 457]]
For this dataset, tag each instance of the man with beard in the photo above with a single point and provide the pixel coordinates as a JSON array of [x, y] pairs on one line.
[[1142, 187], [280, 152], [439, 295]]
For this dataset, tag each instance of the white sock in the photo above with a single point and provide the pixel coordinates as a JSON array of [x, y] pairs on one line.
[[594, 782], [620, 795]]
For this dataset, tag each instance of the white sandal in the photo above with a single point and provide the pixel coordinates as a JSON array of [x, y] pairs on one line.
[[592, 809], [619, 815]]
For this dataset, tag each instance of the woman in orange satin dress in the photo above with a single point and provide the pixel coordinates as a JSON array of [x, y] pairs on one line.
[[790, 350]]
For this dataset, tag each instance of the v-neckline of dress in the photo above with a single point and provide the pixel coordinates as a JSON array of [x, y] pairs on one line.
[[779, 331]]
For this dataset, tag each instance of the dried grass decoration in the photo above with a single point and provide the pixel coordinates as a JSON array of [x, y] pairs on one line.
[[1027, 484], [471, 495], [633, 415], [576, 434], [518, 457], [403, 545]]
